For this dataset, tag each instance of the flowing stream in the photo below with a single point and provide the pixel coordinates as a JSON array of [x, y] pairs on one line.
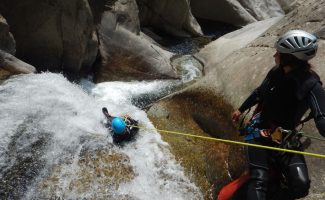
[[54, 146]]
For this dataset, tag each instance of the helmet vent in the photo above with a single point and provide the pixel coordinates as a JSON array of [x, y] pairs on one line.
[[296, 40], [290, 43], [299, 43], [306, 41], [284, 46]]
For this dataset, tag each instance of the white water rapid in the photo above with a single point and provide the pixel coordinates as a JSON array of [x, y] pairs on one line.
[[53, 143]]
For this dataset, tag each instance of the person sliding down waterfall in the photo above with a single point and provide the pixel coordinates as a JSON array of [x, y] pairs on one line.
[[122, 130], [289, 89]]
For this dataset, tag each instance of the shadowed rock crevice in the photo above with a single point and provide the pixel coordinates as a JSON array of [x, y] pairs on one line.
[[173, 17], [211, 126]]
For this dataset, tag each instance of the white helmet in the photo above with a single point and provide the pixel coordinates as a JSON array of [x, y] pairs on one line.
[[301, 44]]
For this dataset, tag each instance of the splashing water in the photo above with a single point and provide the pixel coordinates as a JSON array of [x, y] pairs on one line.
[[53, 144]]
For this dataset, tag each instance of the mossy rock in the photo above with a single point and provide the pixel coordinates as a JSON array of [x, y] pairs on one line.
[[4, 75], [210, 164], [102, 170]]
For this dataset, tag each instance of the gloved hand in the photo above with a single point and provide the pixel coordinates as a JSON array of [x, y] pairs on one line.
[[265, 132], [235, 116]]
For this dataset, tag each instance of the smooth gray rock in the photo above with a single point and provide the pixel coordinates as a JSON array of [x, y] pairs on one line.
[[289, 5], [236, 12], [224, 46]]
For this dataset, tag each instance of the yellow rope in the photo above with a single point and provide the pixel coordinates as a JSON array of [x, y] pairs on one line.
[[235, 142]]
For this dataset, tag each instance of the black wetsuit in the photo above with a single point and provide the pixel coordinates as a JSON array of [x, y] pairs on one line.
[[282, 101]]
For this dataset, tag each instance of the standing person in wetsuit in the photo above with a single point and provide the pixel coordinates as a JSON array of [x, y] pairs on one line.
[[288, 91]]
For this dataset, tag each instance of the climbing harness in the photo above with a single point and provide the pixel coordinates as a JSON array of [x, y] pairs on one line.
[[251, 131]]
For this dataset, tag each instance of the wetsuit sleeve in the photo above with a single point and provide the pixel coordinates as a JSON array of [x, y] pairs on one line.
[[317, 107], [256, 95], [250, 101]]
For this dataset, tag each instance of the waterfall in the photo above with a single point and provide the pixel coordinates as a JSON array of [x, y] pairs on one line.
[[54, 145]]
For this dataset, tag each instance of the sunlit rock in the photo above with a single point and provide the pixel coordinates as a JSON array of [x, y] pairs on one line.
[[224, 46], [239, 12], [289, 5]]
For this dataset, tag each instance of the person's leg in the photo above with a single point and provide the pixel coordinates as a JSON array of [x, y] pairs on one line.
[[296, 172], [105, 112], [257, 186], [104, 109], [259, 173]]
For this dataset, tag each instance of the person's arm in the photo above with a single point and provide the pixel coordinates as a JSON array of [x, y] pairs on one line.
[[257, 94], [317, 107], [251, 100], [254, 97]]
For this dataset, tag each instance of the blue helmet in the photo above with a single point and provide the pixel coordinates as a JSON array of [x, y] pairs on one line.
[[118, 125]]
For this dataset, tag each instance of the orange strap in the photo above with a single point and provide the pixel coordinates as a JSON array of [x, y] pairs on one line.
[[229, 190]]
